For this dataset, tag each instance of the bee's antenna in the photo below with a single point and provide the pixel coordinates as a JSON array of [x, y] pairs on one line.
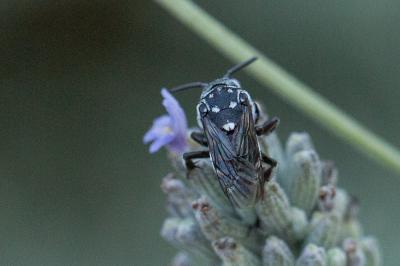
[[189, 86], [239, 66]]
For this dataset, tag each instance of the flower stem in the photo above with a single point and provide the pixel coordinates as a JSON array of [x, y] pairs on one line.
[[284, 84]]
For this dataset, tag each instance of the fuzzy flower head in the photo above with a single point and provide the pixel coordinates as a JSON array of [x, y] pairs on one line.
[[168, 130]]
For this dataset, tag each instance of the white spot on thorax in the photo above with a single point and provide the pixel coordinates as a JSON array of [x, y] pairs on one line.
[[230, 90], [211, 95], [215, 109], [232, 105], [229, 126]]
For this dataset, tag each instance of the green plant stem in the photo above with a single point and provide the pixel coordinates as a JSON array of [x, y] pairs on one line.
[[284, 84]]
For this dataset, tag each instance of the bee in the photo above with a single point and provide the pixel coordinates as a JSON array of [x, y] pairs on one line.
[[228, 118]]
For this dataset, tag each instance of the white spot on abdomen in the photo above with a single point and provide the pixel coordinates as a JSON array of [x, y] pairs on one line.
[[230, 90], [215, 109], [211, 95], [229, 126], [232, 105]]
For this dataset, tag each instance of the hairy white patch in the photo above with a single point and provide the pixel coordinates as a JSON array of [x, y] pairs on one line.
[[230, 90], [229, 126], [211, 95], [215, 109], [232, 105]]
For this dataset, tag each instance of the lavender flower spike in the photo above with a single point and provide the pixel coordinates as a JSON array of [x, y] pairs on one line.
[[168, 130]]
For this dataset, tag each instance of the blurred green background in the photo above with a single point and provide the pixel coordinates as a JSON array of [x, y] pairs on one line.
[[80, 84]]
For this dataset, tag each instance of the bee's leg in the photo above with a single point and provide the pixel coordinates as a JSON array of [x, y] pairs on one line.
[[256, 113], [268, 160], [268, 172], [267, 127], [189, 156], [199, 138]]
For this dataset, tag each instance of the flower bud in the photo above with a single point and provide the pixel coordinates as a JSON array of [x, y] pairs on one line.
[[274, 209], [336, 257], [341, 201], [351, 227], [277, 253], [216, 225], [299, 224], [182, 259], [371, 250], [233, 253], [179, 197], [329, 173], [305, 179], [185, 234], [170, 229], [326, 200], [312, 255], [298, 141], [324, 231], [355, 255]]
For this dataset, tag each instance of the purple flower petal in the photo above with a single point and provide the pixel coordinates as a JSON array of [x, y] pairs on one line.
[[164, 120], [175, 111], [157, 129], [178, 145], [179, 122], [149, 136], [159, 142], [168, 130]]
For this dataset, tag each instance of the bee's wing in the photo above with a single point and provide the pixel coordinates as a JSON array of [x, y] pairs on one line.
[[235, 160], [245, 138]]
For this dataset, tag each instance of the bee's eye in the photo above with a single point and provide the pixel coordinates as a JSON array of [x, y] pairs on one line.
[[203, 110], [243, 98]]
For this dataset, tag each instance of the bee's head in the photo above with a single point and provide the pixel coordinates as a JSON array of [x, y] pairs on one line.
[[218, 84], [222, 99]]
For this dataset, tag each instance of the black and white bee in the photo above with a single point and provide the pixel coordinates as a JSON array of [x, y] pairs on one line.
[[229, 119]]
